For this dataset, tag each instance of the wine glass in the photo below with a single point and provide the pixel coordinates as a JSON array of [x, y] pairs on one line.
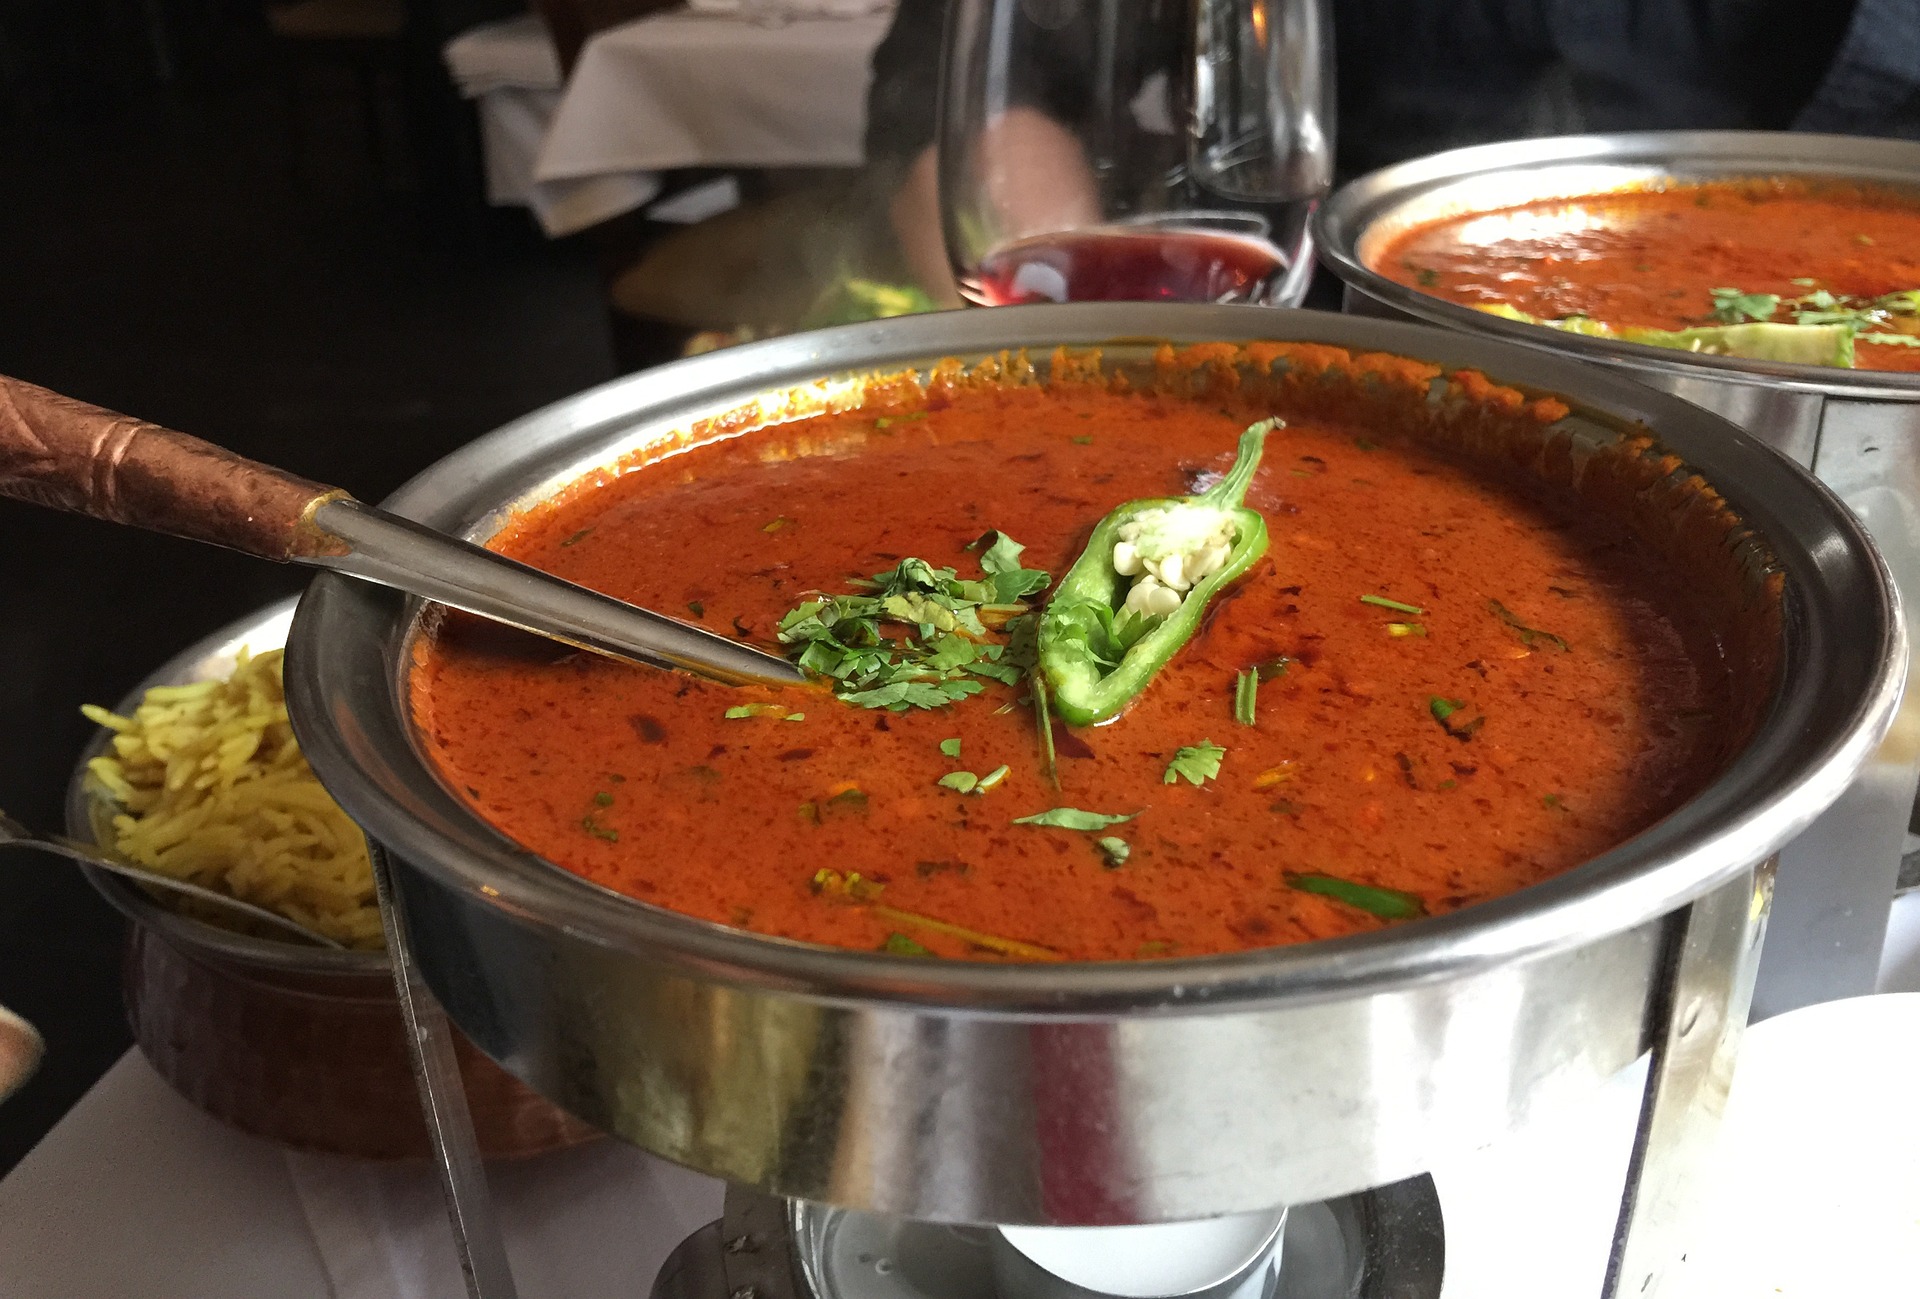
[[1134, 150]]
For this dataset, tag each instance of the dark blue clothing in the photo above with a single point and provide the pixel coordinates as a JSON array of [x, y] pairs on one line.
[[1415, 76]]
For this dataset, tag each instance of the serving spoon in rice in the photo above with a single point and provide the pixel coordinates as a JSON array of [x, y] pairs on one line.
[[66, 454], [15, 835]]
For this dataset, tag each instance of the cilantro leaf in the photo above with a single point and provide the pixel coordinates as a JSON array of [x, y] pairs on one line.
[[1199, 763], [1397, 606], [1115, 849], [1443, 711], [758, 710], [1072, 818], [1246, 696], [901, 945], [1528, 635], [960, 781], [1388, 904], [950, 747], [1002, 554], [1731, 306], [902, 695]]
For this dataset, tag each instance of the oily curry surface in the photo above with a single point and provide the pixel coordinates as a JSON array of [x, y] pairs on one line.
[[1548, 699], [1688, 256]]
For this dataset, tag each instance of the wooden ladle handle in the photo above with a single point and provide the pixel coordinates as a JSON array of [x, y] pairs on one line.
[[72, 456]]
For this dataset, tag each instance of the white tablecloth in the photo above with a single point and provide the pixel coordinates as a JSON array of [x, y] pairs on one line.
[[673, 90], [137, 1195]]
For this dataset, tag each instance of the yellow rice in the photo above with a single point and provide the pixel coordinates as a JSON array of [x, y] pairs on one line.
[[213, 788]]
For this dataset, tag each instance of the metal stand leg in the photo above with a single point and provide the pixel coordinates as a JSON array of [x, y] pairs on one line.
[[443, 1099], [1711, 953]]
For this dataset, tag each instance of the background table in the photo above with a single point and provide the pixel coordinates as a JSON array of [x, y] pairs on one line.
[[672, 90]]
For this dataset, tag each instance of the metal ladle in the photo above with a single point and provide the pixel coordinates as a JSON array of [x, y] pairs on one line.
[[66, 454], [15, 835]]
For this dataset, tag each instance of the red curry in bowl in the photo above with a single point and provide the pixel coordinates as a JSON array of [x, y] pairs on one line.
[[1831, 271], [1443, 681]]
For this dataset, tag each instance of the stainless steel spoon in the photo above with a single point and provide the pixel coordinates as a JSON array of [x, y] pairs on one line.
[[15, 835], [66, 454]]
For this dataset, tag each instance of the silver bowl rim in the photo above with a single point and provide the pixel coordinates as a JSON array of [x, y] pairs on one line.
[[345, 684], [1343, 220], [263, 629]]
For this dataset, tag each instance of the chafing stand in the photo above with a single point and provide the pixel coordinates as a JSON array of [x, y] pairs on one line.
[[1696, 1013]]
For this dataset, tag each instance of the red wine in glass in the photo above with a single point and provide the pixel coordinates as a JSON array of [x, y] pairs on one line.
[[1120, 264]]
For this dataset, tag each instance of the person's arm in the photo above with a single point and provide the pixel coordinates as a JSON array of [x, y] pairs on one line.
[[914, 212], [1036, 179], [1872, 84]]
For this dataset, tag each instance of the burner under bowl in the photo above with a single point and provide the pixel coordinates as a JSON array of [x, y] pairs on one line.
[[1386, 1243]]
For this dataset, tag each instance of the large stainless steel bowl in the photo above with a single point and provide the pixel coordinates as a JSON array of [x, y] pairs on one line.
[[1122, 1092], [1858, 430]]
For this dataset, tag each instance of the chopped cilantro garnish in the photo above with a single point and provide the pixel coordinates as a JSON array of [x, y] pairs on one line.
[[1246, 696], [902, 695], [968, 783], [1084, 439], [1072, 818], [950, 747], [577, 537], [947, 647], [1277, 668], [602, 800], [1043, 718], [1528, 635], [1406, 629], [1553, 802], [697, 609], [901, 945], [1731, 306], [1381, 601], [1443, 711], [1115, 849], [1388, 904], [762, 710], [782, 522], [1198, 763]]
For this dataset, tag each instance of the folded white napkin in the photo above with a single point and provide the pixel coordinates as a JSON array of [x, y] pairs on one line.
[[591, 1223], [789, 10]]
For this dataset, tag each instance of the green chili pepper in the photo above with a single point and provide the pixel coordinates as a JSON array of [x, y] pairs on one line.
[[1132, 599]]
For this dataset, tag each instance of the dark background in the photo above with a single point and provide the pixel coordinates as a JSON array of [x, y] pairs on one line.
[[167, 250]]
